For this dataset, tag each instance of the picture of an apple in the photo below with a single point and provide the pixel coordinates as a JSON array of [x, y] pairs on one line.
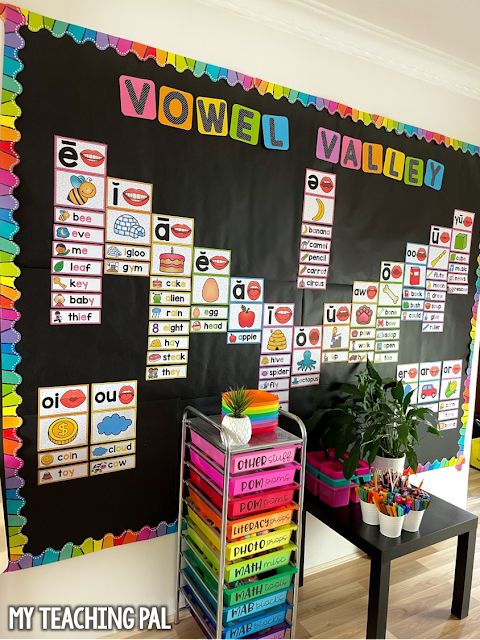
[[232, 337], [246, 317]]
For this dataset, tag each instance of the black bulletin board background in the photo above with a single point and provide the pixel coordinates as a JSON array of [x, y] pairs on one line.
[[244, 198]]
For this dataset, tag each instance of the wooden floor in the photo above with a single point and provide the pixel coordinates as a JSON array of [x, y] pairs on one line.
[[333, 603]]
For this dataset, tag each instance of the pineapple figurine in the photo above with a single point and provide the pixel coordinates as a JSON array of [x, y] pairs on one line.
[[235, 423]]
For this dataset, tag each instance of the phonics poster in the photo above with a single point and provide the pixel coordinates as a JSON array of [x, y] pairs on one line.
[[170, 228]]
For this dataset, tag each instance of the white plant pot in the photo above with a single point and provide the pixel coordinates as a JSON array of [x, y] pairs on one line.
[[237, 430], [413, 520], [369, 512], [397, 465], [390, 526]]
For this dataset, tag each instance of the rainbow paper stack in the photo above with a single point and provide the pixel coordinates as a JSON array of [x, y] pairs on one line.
[[263, 411]]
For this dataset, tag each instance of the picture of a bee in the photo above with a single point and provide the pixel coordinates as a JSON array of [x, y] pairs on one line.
[[82, 190]]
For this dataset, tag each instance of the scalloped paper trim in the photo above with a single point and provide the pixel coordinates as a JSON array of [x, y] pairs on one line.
[[13, 18]]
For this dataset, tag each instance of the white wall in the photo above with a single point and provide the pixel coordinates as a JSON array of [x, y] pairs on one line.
[[143, 573]]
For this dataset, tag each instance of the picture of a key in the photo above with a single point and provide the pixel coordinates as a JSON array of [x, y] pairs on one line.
[[57, 280], [390, 294]]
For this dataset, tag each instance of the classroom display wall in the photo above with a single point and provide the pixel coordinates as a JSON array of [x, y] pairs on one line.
[[183, 227]]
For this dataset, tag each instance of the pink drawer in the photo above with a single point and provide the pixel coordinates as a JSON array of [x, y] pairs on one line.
[[262, 480], [248, 483], [246, 462]]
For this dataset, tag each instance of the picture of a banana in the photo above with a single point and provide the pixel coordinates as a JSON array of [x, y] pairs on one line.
[[320, 212]]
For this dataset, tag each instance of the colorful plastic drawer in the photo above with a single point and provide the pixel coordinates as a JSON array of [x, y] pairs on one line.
[[209, 491], [335, 497], [240, 629], [252, 607], [206, 549], [206, 468], [248, 547], [278, 631], [257, 623], [249, 483], [209, 532], [246, 462], [260, 543], [205, 509], [193, 558], [263, 480], [259, 564], [239, 611], [248, 589], [263, 501], [254, 524]]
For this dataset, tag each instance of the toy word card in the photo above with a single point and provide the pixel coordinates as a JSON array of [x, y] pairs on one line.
[[317, 226], [276, 349], [62, 433], [128, 227], [170, 297], [210, 290], [245, 311], [389, 310], [459, 257], [436, 280], [363, 322], [414, 282], [336, 332], [78, 231], [306, 356]]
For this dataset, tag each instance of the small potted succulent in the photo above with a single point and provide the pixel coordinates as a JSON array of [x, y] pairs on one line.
[[375, 421], [235, 423]]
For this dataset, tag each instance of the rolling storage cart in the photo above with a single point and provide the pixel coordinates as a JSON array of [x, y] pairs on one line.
[[240, 528]]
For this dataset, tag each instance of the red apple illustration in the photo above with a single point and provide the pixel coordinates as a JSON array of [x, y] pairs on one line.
[[246, 317], [232, 337]]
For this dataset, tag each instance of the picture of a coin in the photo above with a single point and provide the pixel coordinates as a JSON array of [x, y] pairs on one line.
[[47, 459], [63, 431]]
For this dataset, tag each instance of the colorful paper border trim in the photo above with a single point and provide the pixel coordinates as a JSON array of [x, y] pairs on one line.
[[13, 18]]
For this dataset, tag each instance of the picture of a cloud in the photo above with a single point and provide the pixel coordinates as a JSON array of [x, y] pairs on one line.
[[99, 451], [113, 425]]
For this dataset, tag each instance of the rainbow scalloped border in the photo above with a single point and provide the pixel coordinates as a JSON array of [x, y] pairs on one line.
[[13, 18]]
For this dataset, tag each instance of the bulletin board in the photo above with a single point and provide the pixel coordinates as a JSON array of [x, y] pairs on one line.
[[169, 228]]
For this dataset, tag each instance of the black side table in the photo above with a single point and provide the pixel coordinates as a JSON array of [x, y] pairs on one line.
[[441, 522]]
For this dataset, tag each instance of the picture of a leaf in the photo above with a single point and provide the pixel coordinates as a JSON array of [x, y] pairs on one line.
[[59, 266]]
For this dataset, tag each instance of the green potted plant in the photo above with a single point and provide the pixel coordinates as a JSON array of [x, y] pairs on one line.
[[375, 421], [235, 423]]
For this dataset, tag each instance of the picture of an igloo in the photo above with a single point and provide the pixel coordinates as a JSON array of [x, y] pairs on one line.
[[127, 225]]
